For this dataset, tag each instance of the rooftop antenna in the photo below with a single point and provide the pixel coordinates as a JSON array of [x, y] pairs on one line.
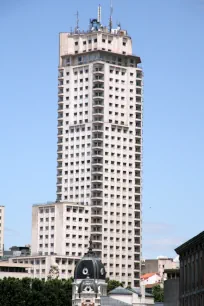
[[99, 13], [111, 13], [77, 22]]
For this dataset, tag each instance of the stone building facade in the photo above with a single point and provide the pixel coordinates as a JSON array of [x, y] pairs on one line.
[[191, 288]]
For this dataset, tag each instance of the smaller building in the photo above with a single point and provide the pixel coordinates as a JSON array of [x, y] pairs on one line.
[[191, 288], [131, 297], [150, 278], [42, 266], [171, 287], [60, 228], [16, 270], [159, 265], [16, 251]]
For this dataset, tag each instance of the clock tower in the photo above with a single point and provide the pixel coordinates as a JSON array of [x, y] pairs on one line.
[[89, 280]]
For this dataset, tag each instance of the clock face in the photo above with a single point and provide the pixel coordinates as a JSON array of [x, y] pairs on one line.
[[102, 271], [85, 271]]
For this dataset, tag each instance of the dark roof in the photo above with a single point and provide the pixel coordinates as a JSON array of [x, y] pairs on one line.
[[120, 291], [90, 266], [190, 243], [137, 290], [172, 271], [107, 301]]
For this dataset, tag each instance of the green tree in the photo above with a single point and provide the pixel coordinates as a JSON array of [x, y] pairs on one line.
[[158, 293], [112, 284], [35, 292]]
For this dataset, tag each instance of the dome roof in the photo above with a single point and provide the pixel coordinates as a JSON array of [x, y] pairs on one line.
[[90, 266]]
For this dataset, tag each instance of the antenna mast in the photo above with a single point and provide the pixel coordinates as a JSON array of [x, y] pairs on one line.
[[111, 13], [99, 13], [77, 22]]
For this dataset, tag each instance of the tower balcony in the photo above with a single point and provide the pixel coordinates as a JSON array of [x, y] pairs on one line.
[[98, 119], [60, 90], [59, 189], [61, 74], [60, 140], [96, 239], [98, 77], [60, 115], [137, 240], [97, 247], [138, 141], [97, 196], [97, 160], [98, 71], [138, 91], [97, 204], [98, 102], [96, 211], [97, 214], [98, 116], [59, 156], [96, 221], [60, 107], [60, 124], [137, 215], [96, 154], [97, 187], [96, 130], [59, 165], [60, 99], [60, 83], [59, 183], [97, 88], [98, 112], [60, 131], [59, 148], [97, 147], [97, 144], [139, 83], [96, 96], [98, 80], [97, 136], [99, 105], [97, 190], [97, 170]]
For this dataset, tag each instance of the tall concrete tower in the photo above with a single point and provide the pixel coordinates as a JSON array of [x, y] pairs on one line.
[[99, 154]]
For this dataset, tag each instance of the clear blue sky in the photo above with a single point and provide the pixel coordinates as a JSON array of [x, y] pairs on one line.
[[168, 35]]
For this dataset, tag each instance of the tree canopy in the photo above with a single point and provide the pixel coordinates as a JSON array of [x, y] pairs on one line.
[[158, 293], [112, 284], [35, 292]]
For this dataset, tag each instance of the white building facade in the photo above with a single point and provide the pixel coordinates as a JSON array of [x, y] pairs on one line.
[[40, 266], [2, 208], [99, 155], [60, 228]]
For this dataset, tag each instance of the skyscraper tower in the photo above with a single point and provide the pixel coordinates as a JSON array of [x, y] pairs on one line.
[[99, 155]]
